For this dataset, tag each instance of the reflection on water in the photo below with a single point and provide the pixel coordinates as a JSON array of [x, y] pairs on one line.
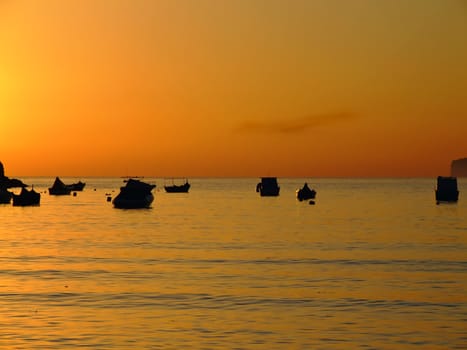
[[374, 264]]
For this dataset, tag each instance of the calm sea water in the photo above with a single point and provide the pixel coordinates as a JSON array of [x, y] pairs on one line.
[[375, 264]]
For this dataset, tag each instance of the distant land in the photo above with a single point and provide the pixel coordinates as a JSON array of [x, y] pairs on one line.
[[459, 167], [6, 182]]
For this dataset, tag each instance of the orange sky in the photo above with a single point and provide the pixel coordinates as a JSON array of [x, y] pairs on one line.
[[232, 87]]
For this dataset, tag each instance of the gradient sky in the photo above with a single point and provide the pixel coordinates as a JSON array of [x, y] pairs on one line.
[[232, 87]]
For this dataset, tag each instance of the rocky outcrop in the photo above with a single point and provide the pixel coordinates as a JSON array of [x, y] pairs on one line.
[[459, 167], [6, 182]]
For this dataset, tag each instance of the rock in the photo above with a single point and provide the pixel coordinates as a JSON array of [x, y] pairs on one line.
[[6, 182], [459, 167]]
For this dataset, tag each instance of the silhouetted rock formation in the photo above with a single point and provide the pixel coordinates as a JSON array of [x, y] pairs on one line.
[[7, 182], [459, 167]]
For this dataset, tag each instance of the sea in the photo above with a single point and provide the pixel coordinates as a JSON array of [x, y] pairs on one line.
[[373, 264]]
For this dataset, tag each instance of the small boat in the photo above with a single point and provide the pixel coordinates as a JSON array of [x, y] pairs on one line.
[[134, 195], [5, 195], [305, 193], [268, 187], [59, 188], [446, 190], [178, 188], [26, 198], [77, 186]]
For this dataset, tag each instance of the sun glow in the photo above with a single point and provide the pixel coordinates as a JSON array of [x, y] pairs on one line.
[[232, 88]]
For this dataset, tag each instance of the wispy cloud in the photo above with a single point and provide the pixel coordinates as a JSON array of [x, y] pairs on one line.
[[293, 126]]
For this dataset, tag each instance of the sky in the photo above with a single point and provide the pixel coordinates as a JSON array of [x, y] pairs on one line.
[[305, 88]]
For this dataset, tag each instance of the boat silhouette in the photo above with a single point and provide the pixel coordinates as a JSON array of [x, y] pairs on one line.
[[5, 195], [178, 188], [305, 193], [134, 195], [268, 187], [26, 198], [446, 189], [59, 188]]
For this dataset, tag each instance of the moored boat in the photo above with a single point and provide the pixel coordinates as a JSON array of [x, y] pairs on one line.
[[59, 188], [446, 189], [178, 188], [26, 198], [134, 195], [268, 187], [77, 186], [305, 193], [5, 195]]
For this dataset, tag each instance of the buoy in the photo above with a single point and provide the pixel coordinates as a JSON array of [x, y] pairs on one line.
[[311, 202], [109, 198], [74, 194]]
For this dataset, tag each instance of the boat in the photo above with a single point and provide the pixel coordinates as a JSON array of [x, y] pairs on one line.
[[268, 187], [26, 198], [77, 186], [134, 195], [305, 193], [178, 188], [446, 190], [59, 188], [5, 195]]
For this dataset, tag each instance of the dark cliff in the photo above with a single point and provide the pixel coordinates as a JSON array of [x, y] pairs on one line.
[[459, 167], [6, 182]]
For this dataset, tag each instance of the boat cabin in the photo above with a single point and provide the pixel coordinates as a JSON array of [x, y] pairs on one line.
[[446, 190], [268, 187]]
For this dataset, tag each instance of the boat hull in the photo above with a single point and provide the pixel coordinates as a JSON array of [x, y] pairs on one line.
[[303, 195], [26, 198], [442, 196], [122, 202], [268, 187], [5, 196], [177, 189], [446, 190], [134, 195], [59, 188], [59, 191], [79, 186], [269, 192]]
